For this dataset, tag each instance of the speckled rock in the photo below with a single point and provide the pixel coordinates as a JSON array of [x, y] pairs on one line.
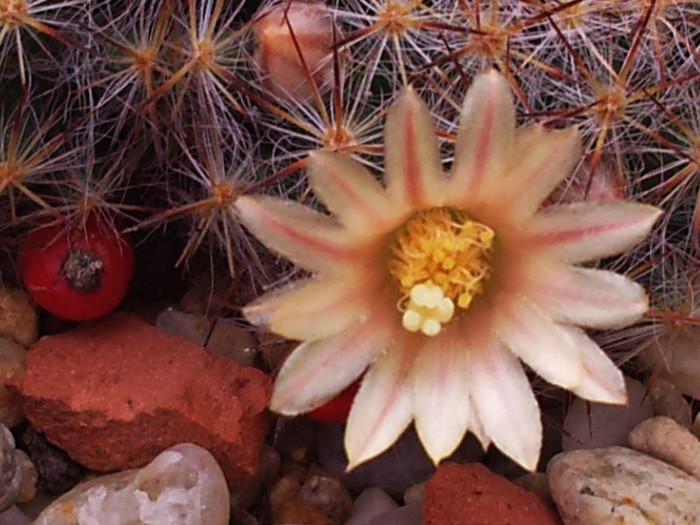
[[620, 486], [18, 319], [665, 439], [10, 470], [115, 392], [473, 495], [182, 485]]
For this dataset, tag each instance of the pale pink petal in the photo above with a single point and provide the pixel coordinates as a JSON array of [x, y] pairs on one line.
[[383, 407], [317, 371], [532, 336], [603, 382], [310, 239], [475, 427], [350, 191], [486, 136], [259, 311], [505, 403], [587, 231], [585, 297], [540, 160], [412, 157], [441, 395], [322, 308]]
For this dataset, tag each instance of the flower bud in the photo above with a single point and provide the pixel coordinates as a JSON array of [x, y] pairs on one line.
[[280, 60]]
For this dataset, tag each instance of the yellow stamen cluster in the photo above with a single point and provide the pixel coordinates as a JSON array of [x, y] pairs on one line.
[[440, 259]]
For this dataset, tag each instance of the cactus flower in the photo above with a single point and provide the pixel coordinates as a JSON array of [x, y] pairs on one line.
[[438, 288]]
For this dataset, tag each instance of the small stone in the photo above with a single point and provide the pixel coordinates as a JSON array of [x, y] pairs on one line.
[[669, 401], [13, 358], [415, 495], [472, 495], [295, 511], [113, 393], [287, 507], [327, 495], [10, 470], [675, 357], [605, 425], [14, 516], [57, 473], [695, 429], [30, 477], [407, 515], [229, 340], [182, 485], [666, 440], [371, 503], [535, 482], [18, 318], [617, 485], [193, 327]]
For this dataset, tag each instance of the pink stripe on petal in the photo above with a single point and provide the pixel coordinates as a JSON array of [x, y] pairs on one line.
[[505, 403], [319, 370], [312, 240], [323, 308], [351, 192], [413, 167], [541, 160], [383, 407], [588, 231], [485, 140], [585, 297], [441, 394]]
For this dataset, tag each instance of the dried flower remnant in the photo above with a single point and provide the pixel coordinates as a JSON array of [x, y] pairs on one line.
[[294, 49], [437, 287]]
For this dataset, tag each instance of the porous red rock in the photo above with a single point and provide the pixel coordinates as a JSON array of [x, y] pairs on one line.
[[473, 495], [116, 392]]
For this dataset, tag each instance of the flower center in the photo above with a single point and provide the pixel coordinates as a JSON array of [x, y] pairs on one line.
[[440, 258]]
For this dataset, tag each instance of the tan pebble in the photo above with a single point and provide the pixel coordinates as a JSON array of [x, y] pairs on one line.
[[328, 495], [297, 512], [665, 439], [18, 318], [285, 489], [27, 490], [13, 358]]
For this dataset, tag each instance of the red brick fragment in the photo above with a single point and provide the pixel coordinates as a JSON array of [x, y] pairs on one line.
[[115, 392], [473, 495]]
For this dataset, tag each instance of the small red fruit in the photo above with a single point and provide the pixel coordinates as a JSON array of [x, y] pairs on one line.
[[337, 409], [77, 274]]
